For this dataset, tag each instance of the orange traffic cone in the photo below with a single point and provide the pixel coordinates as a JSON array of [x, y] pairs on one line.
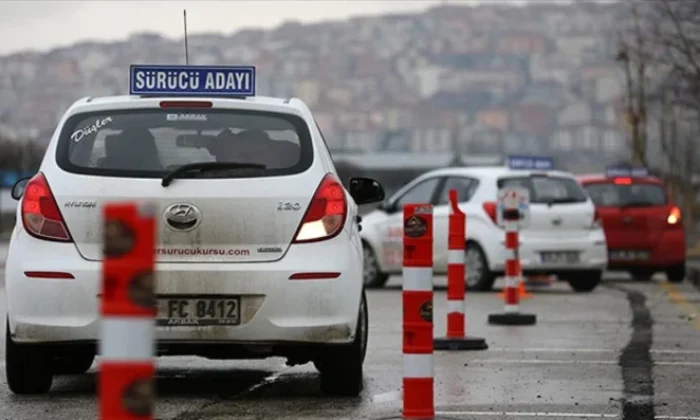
[[522, 292]]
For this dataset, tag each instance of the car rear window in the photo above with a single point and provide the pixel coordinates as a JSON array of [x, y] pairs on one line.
[[149, 143], [637, 194], [547, 189]]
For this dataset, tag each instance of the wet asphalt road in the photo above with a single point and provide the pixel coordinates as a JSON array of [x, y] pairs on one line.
[[627, 351]]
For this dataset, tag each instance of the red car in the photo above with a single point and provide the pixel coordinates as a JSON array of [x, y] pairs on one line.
[[642, 224]]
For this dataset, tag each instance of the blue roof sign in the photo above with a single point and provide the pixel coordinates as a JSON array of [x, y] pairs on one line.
[[530, 162], [615, 171], [192, 80]]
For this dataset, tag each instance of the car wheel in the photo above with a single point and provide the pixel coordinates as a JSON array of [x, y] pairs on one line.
[[371, 274], [27, 367], [478, 275], [73, 365], [676, 274], [585, 281], [641, 275], [341, 368]]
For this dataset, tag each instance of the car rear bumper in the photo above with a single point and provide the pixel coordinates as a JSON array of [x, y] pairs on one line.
[[667, 250], [274, 309], [591, 248]]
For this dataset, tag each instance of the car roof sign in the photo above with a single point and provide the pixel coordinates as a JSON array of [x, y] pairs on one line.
[[203, 81], [530, 162], [625, 171]]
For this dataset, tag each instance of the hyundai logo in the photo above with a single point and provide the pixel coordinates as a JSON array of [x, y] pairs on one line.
[[182, 217], [556, 221]]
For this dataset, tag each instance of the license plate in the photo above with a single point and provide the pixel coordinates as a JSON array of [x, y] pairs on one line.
[[199, 312], [567, 257], [628, 255]]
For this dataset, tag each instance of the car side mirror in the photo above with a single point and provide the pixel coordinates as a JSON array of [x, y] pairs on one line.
[[366, 191], [18, 188]]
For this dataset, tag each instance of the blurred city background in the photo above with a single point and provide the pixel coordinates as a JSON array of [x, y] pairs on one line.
[[588, 83]]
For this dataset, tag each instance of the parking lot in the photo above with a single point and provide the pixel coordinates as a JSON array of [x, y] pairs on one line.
[[608, 354]]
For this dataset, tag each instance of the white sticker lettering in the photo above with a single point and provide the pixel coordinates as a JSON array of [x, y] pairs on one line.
[[91, 129]]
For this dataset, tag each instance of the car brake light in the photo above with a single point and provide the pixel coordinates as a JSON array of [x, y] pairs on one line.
[[325, 217], [490, 209], [186, 104], [622, 181], [40, 214], [674, 217]]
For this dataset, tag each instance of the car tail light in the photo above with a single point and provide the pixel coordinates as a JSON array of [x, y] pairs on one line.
[[622, 181], [490, 209], [325, 217], [186, 104], [40, 214], [674, 217]]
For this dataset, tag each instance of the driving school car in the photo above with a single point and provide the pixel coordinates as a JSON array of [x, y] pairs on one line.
[[258, 250], [643, 226], [563, 236]]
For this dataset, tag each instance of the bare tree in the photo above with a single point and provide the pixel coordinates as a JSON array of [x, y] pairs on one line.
[[632, 54], [672, 47]]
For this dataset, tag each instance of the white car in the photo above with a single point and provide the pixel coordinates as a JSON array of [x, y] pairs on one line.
[[563, 238], [252, 217]]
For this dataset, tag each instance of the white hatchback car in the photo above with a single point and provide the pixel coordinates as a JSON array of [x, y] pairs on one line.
[[251, 213], [564, 237]]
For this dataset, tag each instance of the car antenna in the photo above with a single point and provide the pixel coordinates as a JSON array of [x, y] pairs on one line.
[[184, 21]]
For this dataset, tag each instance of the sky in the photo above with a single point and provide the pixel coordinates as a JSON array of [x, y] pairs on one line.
[[42, 25]]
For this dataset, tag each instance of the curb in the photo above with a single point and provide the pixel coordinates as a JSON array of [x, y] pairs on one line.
[[693, 273]]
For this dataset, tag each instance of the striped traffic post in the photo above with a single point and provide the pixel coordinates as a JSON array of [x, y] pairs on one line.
[[456, 319], [128, 307], [417, 296], [511, 217]]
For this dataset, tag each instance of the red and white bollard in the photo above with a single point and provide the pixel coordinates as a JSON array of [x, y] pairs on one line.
[[456, 319], [128, 307], [418, 396], [512, 314]]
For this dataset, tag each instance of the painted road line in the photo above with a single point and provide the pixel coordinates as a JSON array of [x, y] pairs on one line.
[[582, 350], [571, 362], [520, 414], [682, 302]]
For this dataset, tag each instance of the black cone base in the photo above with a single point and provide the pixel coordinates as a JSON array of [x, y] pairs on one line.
[[463, 343], [512, 319]]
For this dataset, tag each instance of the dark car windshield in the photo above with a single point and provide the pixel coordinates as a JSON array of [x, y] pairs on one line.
[[149, 143], [547, 189], [631, 195]]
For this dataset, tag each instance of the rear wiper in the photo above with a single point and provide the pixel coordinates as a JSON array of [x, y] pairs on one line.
[[206, 166], [563, 201], [636, 204]]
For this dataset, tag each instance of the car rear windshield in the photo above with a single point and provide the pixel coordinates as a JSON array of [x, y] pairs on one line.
[[149, 143], [627, 195], [547, 189]]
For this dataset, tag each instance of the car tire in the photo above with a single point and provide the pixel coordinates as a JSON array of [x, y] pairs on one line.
[[342, 368], [641, 275], [372, 276], [585, 281], [478, 275], [28, 368], [676, 274], [73, 365]]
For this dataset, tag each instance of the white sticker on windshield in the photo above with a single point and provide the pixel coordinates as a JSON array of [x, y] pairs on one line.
[[186, 117], [91, 129]]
